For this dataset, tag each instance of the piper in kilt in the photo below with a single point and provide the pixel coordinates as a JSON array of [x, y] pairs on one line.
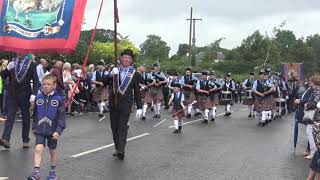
[[214, 91], [146, 82], [227, 89], [100, 92], [203, 88], [188, 82], [177, 99], [263, 90], [269, 94], [156, 88], [249, 99]]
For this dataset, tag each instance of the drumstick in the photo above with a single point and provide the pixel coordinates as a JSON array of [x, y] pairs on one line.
[[183, 109]]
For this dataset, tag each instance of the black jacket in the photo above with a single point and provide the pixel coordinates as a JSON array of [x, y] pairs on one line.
[[24, 87], [125, 101]]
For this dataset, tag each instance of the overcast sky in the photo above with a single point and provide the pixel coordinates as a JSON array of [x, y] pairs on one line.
[[232, 19]]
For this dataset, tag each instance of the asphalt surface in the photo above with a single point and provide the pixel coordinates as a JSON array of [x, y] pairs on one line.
[[229, 149]]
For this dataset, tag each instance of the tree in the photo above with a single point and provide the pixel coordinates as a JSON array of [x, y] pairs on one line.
[[183, 50], [286, 42], [254, 49], [102, 35], [154, 47]]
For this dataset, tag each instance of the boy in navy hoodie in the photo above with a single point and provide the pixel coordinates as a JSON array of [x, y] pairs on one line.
[[48, 125]]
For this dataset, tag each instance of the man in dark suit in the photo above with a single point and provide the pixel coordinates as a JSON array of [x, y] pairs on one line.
[[20, 72], [121, 100], [305, 98]]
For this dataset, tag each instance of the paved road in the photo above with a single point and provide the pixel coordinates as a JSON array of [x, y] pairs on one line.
[[230, 149]]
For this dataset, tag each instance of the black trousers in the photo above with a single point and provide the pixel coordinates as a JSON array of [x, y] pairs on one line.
[[119, 117], [20, 100], [165, 91]]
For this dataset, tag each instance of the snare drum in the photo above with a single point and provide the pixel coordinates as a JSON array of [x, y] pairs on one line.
[[226, 96]]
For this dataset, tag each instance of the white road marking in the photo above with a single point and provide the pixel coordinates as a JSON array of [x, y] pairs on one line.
[[195, 120], [106, 146], [4, 178], [160, 123], [102, 118]]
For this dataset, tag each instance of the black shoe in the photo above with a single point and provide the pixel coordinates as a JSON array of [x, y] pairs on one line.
[[5, 143], [143, 118], [197, 114], [189, 116], [175, 131], [229, 114], [100, 115], [152, 108], [205, 121], [212, 119], [166, 107], [157, 116], [226, 114], [180, 129], [115, 154], [264, 123], [253, 116], [250, 116], [120, 156]]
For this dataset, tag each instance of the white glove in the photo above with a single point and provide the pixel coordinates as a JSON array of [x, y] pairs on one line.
[[318, 105], [115, 71], [138, 113], [32, 98], [287, 97], [10, 65]]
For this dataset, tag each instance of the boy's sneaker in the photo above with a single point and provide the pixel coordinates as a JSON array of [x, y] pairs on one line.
[[52, 175], [34, 176]]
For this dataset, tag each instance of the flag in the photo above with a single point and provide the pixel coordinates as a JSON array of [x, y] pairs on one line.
[[39, 26], [292, 71]]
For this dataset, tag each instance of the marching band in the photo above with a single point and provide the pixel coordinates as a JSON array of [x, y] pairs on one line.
[[266, 97]]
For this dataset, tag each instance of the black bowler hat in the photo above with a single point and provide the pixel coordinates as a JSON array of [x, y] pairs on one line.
[[128, 52], [261, 72], [252, 74], [228, 75], [155, 65]]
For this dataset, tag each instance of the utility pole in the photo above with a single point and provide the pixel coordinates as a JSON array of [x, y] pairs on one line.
[[192, 48], [190, 34]]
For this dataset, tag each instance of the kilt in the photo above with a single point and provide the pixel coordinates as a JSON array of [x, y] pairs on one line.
[[146, 97], [156, 94], [214, 99], [248, 101], [179, 115], [264, 104], [189, 97], [100, 94], [204, 102]]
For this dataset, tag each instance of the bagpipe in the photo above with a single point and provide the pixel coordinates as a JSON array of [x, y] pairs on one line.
[[158, 79], [147, 81], [192, 82]]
